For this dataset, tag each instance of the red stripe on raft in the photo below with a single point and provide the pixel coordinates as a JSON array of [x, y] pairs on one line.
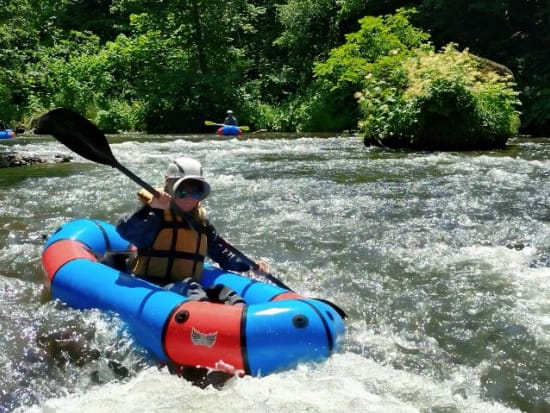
[[207, 335], [61, 252], [287, 296]]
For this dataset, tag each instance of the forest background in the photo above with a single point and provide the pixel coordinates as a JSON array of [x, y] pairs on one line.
[[167, 65]]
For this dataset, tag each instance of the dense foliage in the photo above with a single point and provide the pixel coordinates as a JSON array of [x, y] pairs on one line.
[[339, 77], [448, 100], [166, 65]]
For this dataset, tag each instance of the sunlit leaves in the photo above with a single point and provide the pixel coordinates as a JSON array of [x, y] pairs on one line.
[[386, 40], [444, 100]]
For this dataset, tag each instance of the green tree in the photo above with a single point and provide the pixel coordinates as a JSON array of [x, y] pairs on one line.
[[515, 33], [342, 74], [20, 32], [257, 56], [201, 64], [92, 16], [449, 100]]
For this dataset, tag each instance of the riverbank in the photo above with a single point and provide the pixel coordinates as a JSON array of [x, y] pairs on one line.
[[14, 159]]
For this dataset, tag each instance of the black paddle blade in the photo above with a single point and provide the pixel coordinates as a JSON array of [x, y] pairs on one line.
[[78, 134]]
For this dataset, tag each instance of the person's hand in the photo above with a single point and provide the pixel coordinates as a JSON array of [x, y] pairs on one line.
[[161, 202], [262, 266]]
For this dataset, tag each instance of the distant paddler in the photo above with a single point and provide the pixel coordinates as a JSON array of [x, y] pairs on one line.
[[229, 127]]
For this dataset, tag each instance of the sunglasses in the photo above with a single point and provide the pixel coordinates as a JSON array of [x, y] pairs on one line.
[[185, 192]]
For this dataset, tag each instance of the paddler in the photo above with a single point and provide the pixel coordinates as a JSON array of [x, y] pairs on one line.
[[171, 246]]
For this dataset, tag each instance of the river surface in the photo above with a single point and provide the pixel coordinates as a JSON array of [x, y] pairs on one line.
[[442, 261]]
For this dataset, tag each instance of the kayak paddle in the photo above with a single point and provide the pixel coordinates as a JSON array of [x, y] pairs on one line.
[[83, 137], [210, 123]]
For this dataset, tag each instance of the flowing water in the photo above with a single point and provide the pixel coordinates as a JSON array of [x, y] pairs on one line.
[[442, 261]]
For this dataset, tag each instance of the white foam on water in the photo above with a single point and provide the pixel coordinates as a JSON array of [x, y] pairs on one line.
[[347, 382]]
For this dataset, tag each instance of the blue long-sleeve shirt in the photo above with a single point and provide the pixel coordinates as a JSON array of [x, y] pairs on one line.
[[142, 227]]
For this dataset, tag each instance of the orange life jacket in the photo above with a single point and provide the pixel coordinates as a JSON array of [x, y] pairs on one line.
[[178, 252]]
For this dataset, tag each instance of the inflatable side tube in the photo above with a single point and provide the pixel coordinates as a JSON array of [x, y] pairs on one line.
[[76, 278], [229, 130], [6, 134]]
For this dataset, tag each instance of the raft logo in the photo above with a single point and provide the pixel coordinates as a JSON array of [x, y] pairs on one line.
[[203, 339]]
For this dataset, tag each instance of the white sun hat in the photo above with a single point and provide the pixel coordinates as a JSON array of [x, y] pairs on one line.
[[187, 169]]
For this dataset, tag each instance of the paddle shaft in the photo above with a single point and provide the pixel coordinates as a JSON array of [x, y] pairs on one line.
[[273, 279], [254, 266], [137, 180]]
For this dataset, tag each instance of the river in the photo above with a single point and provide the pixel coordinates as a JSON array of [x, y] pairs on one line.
[[442, 261]]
